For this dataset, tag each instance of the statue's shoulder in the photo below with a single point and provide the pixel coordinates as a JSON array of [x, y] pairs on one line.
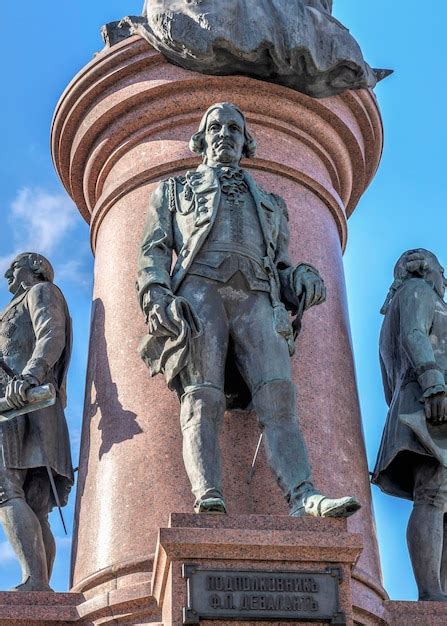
[[418, 291], [45, 294]]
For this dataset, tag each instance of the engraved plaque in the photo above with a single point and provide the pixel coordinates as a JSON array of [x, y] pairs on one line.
[[262, 595]]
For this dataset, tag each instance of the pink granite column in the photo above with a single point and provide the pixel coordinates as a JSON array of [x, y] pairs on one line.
[[122, 125]]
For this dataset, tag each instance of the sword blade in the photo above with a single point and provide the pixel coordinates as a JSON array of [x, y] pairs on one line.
[[51, 477], [56, 497], [252, 469]]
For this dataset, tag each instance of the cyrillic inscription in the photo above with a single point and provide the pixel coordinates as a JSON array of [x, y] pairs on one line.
[[270, 596]]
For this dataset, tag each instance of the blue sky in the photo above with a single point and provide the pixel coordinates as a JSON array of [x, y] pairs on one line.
[[42, 48]]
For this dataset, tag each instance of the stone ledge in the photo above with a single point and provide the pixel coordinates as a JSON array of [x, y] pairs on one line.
[[32, 609], [417, 613]]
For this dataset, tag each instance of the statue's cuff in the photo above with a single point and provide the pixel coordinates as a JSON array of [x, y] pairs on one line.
[[433, 391], [430, 375], [147, 278], [31, 380], [37, 369], [305, 267]]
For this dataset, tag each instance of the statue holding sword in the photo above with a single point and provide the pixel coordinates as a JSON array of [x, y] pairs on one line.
[[36, 472]]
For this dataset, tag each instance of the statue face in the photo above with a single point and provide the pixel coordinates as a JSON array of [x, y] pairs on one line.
[[224, 137], [436, 276], [19, 272]]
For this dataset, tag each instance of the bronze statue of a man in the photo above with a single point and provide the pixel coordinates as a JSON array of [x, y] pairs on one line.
[[412, 461], [218, 319], [35, 347]]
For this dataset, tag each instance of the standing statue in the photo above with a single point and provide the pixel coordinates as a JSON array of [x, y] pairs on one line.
[[220, 314], [412, 461], [297, 43], [36, 472]]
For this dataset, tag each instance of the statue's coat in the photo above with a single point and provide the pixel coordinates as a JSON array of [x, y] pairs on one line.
[[414, 333], [35, 340]]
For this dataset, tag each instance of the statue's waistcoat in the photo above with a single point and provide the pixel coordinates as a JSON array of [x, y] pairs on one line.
[[17, 337], [235, 241]]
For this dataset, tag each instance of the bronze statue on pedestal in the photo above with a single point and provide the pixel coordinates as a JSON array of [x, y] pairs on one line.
[[218, 321]]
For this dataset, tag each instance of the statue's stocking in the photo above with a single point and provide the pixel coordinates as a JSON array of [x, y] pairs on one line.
[[425, 537], [23, 530]]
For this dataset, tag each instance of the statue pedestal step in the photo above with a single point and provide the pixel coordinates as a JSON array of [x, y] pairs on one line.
[[417, 613], [33, 609], [252, 568]]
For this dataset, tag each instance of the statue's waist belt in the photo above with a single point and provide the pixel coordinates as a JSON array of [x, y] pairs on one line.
[[236, 248]]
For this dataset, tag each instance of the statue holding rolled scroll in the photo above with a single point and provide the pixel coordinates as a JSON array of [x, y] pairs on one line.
[[36, 471], [412, 461], [218, 321]]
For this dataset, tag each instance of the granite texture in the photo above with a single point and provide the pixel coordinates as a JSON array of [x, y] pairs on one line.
[[39, 609], [417, 613], [121, 126]]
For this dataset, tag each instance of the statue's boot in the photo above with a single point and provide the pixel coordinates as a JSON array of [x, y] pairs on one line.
[[33, 584], [318, 505], [275, 405], [425, 537], [201, 416]]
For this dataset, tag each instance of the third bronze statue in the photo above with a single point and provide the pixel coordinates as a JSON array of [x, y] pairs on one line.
[[222, 309], [412, 461]]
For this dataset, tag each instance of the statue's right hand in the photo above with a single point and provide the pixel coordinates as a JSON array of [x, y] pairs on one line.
[[156, 307], [16, 393], [436, 408]]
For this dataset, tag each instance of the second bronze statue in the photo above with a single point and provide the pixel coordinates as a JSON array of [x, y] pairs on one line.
[[223, 309], [36, 473]]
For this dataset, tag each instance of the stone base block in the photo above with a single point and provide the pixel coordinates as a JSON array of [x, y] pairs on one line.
[[417, 613], [130, 605], [286, 548], [38, 609]]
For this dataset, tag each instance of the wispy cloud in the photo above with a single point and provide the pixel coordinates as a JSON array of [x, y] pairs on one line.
[[41, 221], [6, 553]]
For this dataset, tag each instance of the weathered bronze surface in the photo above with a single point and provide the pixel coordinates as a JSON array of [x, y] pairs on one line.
[[218, 321], [36, 473], [412, 457], [297, 43]]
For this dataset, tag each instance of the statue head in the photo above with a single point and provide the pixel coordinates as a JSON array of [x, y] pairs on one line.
[[27, 269], [223, 137], [417, 263]]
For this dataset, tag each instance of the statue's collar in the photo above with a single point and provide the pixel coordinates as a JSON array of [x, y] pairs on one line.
[[14, 301], [222, 170]]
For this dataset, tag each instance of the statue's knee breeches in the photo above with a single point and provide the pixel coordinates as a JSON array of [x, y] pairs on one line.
[[430, 484], [11, 484], [202, 403], [275, 402]]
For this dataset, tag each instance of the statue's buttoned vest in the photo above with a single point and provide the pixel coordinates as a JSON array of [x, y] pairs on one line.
[[236, 242]]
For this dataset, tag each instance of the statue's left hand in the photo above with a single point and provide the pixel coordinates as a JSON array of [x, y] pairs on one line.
[[308, 282], [16, 392]]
